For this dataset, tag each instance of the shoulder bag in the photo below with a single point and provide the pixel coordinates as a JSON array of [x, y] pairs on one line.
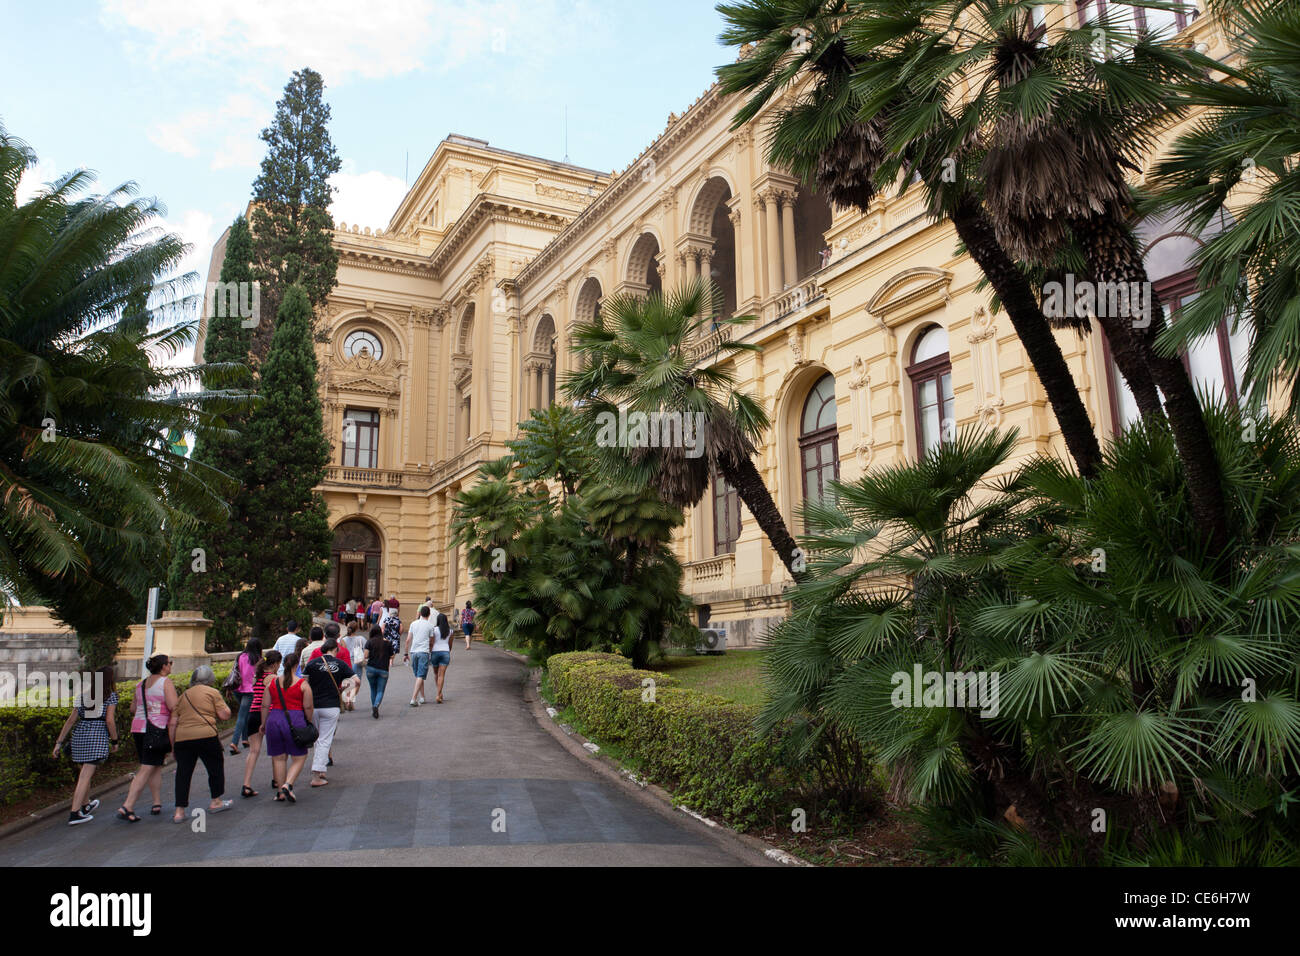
[[156, 738], [303, 736]]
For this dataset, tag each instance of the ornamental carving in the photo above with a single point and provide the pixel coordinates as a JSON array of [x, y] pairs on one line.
[[555, 192]]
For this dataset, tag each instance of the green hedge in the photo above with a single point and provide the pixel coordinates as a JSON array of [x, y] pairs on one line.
[[558, 667], [27, 736], [702, 747]]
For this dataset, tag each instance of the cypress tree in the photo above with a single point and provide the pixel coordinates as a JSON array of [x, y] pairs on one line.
[[291, 195], [211, 577], [287, 454]]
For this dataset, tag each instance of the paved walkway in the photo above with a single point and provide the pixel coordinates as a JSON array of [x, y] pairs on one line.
[[419, 786]]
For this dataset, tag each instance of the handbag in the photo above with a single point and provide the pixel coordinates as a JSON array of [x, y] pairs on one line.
[[230, 686], [343, 705], [303, 736], [156, 738]]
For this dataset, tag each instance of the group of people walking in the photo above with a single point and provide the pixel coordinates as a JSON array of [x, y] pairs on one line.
[[288, 699]]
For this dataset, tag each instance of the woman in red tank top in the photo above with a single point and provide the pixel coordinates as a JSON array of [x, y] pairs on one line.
[[287, 703]]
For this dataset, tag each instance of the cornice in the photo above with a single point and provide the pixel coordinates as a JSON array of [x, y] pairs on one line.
[[678, 130], [485, 207]]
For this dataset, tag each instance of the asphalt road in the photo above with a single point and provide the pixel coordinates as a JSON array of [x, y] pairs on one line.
[[472, 781]]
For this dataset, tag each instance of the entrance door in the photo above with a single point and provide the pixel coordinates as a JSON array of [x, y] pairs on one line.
[[354, 564]]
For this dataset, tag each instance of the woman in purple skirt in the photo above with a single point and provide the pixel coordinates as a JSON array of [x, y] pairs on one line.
[[287, 703]]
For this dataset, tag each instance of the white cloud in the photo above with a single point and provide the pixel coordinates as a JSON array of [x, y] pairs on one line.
[[228, 135], [35, 178], [365, 199], [340, 40]]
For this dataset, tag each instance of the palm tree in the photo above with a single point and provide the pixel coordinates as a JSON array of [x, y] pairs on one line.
[[90, 490], [1052, 128], [1249, 135], [636, 358], [839, 140]]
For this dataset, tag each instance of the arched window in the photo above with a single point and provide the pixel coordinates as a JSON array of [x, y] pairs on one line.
[[726, 516], [1214, 362], [931, 375], [819, 443]]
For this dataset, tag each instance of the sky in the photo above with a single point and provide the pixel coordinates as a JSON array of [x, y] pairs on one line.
[[172, 95]]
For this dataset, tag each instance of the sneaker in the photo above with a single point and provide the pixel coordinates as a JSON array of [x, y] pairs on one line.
[[374, 712], [420, 698], [414, 704], [78, 816], [91, 807]]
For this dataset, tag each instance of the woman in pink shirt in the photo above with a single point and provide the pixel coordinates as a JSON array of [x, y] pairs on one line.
[[155, 698], [247, 664]]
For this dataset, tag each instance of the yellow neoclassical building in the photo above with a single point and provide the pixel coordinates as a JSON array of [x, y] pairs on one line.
[[449, 325]]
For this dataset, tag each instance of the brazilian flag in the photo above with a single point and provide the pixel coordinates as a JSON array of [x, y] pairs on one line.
[[176, 442]]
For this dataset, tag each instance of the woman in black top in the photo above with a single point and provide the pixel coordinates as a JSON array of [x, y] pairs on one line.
[[378, 652]]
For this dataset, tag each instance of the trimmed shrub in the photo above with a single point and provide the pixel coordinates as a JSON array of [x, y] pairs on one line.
[[702, 747], [27, 736], [558, 667]]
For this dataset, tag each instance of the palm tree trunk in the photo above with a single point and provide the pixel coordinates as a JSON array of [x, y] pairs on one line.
[[744, 477], [1034, 332], [1113, 257]]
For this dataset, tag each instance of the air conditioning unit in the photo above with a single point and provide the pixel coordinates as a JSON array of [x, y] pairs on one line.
[[713, 640]]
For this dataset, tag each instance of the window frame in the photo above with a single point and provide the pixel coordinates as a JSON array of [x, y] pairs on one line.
[[373, 427], [931, 369], [726, 495], [828, 435], [1182, 17]]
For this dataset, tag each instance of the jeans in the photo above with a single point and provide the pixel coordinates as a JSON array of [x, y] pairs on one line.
[[241, 721], [190, 752], [378, 681], [326, 720]]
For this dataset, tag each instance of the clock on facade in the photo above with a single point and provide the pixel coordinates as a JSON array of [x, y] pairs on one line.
[[358, 342]]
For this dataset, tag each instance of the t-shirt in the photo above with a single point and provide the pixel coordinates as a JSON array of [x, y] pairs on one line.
[[196, 713], [380, 651], [376, 608], [421, 630], [393, 603], [323, 691], [352, 607], [342, 653], [356, 647], [441, 636], [247, 673], [285, 644]]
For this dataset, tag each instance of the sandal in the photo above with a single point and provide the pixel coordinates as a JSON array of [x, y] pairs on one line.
[[279, 796], [248, 792], [287, 792], [322, 782], [124, 814], [155, 810]]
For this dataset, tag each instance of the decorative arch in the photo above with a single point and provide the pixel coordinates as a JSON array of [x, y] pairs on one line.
[[641, 267], [588, 300], [390, 334], [716, 188], [356, 559], [544, 333], [465, 331]]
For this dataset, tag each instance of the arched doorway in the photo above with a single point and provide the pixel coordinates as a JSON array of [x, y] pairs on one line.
[[812, 218], [711, 217], [354, 563], [643, 265]]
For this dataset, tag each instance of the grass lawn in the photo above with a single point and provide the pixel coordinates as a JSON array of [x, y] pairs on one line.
[[734, 675]]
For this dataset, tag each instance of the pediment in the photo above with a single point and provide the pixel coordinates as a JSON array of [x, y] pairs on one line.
[[910, 293], [369, 385]]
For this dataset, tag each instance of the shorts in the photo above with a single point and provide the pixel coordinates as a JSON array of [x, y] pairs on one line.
[[279, 741], [440, 659], [254, 723], [468, 628], [148, 758], [420, 665]]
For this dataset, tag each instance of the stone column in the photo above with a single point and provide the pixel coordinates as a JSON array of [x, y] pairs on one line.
[[787, 239], [773, 213]]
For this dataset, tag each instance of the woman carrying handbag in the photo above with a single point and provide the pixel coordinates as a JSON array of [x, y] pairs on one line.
[[289, 730], [155, 700]]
